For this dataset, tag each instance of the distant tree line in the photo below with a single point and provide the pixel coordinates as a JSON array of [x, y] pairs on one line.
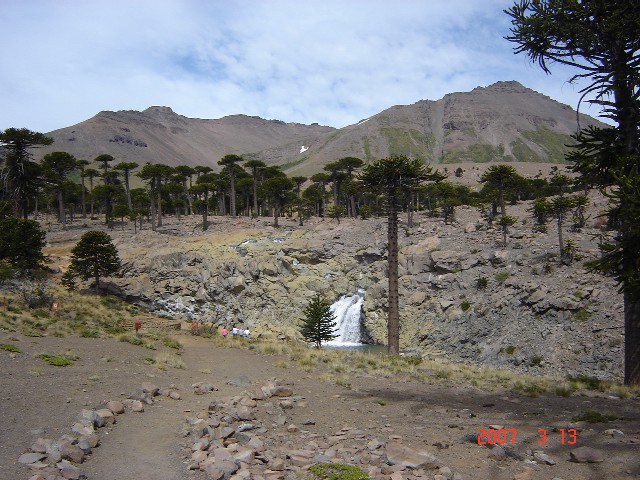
[[74, 188]]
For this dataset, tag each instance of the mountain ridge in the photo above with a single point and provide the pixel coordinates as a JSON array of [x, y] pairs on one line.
[[502, 122]]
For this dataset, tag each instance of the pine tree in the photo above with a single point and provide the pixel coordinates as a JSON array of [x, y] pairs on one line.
[[319, 323], [94, 256]]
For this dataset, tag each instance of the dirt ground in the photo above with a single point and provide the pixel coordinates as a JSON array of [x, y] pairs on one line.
[[41, 400]]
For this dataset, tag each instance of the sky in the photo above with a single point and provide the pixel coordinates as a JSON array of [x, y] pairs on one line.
[[332, 62]]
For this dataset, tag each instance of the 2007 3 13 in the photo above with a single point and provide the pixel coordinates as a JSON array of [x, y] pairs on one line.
[[502, 436]]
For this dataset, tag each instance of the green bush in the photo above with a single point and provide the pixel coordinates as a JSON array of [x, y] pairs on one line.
[[7, 347], [482, 283], [465, 306], [501, 277], [59, 360], [337, 471], [593, 416]]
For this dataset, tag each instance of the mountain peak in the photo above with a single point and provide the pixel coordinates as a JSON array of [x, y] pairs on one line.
[[159, 109]]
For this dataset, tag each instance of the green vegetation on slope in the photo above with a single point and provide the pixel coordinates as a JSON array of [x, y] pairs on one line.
[[409, 142]]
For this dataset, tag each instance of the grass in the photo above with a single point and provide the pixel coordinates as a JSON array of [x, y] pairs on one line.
[[337, 471], [7, 347], [502, 276], [593, 416], [59, 360], [169, 359]]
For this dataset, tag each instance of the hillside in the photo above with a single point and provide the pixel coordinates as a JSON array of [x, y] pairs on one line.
[[500, 123]]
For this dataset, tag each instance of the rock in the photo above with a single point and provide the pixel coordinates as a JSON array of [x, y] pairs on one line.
[[68, 470], [40, 445], [92, 440], [28, 458], [245, 455], [107, 416], [148, 387], [213, 471], [89, 417], [134, 405], [202, 388], [116, 406], [612, 432], [245, 413], [198, 456], [586, 455], [497, 453], [82, 429], [544, 458], [68, 451], [291, 428], [240, 381], [399, 454], [174, 395]]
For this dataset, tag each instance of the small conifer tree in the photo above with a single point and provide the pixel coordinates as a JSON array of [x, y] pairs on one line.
[[319, 323], [93, 256]]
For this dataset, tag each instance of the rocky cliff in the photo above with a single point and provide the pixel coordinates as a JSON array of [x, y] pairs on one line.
[[463, 295]]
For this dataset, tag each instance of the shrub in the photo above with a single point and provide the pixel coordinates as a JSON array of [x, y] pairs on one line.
[[337, 471], [59, 360], [36, 295], [502, 276], [465, 306], [593, 416], [482, 283], [7, 347]]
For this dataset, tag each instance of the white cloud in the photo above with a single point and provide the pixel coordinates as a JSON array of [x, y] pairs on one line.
[[331, 62]]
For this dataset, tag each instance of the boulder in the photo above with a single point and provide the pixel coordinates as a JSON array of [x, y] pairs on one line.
[[399, 454], [586, 455]]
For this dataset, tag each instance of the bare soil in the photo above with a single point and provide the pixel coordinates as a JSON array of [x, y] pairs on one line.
[[37, 399]]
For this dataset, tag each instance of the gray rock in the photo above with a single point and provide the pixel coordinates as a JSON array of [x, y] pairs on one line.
[[115, 406], [399, 454], [68, 470], [544, 458], [586, 455], [107, 416], [28, 458], [148, 387], [71, 452]]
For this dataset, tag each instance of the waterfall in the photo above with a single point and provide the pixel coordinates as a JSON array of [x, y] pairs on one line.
[[347, 313]]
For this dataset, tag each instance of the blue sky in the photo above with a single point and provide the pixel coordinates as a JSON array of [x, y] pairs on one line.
[[331, 62]]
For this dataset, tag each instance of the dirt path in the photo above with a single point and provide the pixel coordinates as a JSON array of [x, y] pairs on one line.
[[146, 446]]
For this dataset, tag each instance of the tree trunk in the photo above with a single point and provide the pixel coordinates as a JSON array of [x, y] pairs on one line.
[[393, 320], [62, 218], [233, 193], [205, 212], [631, 340], [560, 239], [276, 214], [153, 213], [127, 190], [91, 193], [82, 198], [159, 223]]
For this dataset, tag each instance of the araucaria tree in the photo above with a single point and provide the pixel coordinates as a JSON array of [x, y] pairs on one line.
[[21, 243], [56, 167], [94, 256], [17, 167], [318, 324], [600, 39], [392, 176]]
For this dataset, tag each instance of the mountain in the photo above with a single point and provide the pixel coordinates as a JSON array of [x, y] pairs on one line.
[[500, 123]]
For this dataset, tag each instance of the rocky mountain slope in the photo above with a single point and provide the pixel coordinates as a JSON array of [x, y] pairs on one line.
[[463, 295], [502, 122]]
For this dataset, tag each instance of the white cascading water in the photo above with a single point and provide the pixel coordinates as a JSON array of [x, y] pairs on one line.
[[347, 312]]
